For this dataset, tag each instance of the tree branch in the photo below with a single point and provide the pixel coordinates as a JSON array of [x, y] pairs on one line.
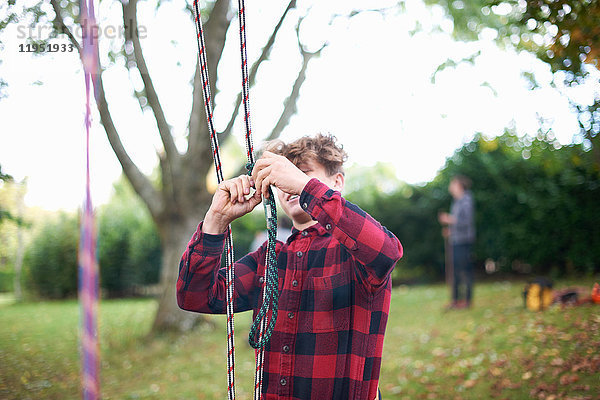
[[139, 181], [59, 25], [355, 12], [216, 32], [291, 103], [168, 183], [266, 51], [131, 27]]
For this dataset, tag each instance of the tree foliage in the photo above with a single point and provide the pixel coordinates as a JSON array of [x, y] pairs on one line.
[[565, 34], [536, 208], [535, 201], [4, 177], [11, 222], [5, 214]]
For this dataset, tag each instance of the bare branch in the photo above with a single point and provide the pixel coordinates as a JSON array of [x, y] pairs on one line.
[[216, 32], [140, 182], [59, 25], [355, 12], [291, 103], [131, 26], [266, 51]]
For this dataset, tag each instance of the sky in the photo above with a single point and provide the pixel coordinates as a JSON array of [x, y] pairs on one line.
[[372, 87]]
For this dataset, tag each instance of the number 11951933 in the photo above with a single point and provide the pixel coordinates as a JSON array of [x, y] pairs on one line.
[[48, 48]]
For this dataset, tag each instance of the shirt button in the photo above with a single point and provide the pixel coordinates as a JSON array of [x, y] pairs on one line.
[[286, 348], [290, 315], [283, 382], [299, 254], [304, 205], [294, 283], [328, 226], [261, 279], [304, 233]]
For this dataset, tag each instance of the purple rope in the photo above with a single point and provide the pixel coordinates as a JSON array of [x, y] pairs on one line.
[[88, 261]]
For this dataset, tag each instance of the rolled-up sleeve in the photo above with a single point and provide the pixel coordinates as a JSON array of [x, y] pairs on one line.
[[375, 248], [201, 284]]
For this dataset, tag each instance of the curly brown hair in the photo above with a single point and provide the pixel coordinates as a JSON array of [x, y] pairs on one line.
[[321, 148]]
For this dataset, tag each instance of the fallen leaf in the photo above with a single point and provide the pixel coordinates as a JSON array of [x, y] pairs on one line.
[[470, 383], [461, 335], [557, 362], [439, 352], [527, 375], [567, 379], [584, 388], [550, 353], [584, 364], [565, 336]]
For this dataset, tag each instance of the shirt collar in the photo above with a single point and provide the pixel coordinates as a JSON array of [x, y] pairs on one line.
[[314, 230]]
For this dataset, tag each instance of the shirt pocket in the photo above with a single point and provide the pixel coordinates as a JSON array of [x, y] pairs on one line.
[[329, 302]]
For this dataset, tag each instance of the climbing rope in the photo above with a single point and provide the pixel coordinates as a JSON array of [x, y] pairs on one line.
[[88, 261], [214, 142], [260, 331]]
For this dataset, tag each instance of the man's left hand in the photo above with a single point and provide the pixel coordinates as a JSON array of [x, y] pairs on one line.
[[276, 170]]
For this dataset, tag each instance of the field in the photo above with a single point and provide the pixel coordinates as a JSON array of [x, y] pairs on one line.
[[495, 350]]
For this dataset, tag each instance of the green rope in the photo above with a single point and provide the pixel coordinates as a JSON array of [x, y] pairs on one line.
[[250, 167], [271, 297]]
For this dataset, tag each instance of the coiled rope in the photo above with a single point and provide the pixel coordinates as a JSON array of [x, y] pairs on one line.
[[260, 331]]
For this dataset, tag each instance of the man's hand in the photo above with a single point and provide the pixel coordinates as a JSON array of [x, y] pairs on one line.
[[276, 170], [229, 203], [446, 219]]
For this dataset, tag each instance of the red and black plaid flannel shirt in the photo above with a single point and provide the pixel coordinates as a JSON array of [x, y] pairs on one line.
[[335, 288]]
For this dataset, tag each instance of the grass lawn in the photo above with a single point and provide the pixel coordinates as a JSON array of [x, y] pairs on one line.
[[495, 350]]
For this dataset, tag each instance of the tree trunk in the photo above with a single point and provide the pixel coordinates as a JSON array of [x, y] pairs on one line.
[[175, 236], [19, 264], [22, 189]]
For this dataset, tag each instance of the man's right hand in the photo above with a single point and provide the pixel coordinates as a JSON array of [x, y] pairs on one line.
[[229, 203]]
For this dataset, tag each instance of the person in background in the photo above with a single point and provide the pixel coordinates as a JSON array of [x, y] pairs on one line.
[[459, 226]]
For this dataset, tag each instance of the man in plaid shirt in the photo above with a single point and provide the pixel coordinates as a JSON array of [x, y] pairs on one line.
[[334, 274]]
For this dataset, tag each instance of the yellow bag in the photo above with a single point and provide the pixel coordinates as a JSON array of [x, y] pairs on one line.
[[537, 294]]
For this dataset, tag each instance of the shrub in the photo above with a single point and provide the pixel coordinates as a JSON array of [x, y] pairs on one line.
[[129, 249], [51, 259]]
